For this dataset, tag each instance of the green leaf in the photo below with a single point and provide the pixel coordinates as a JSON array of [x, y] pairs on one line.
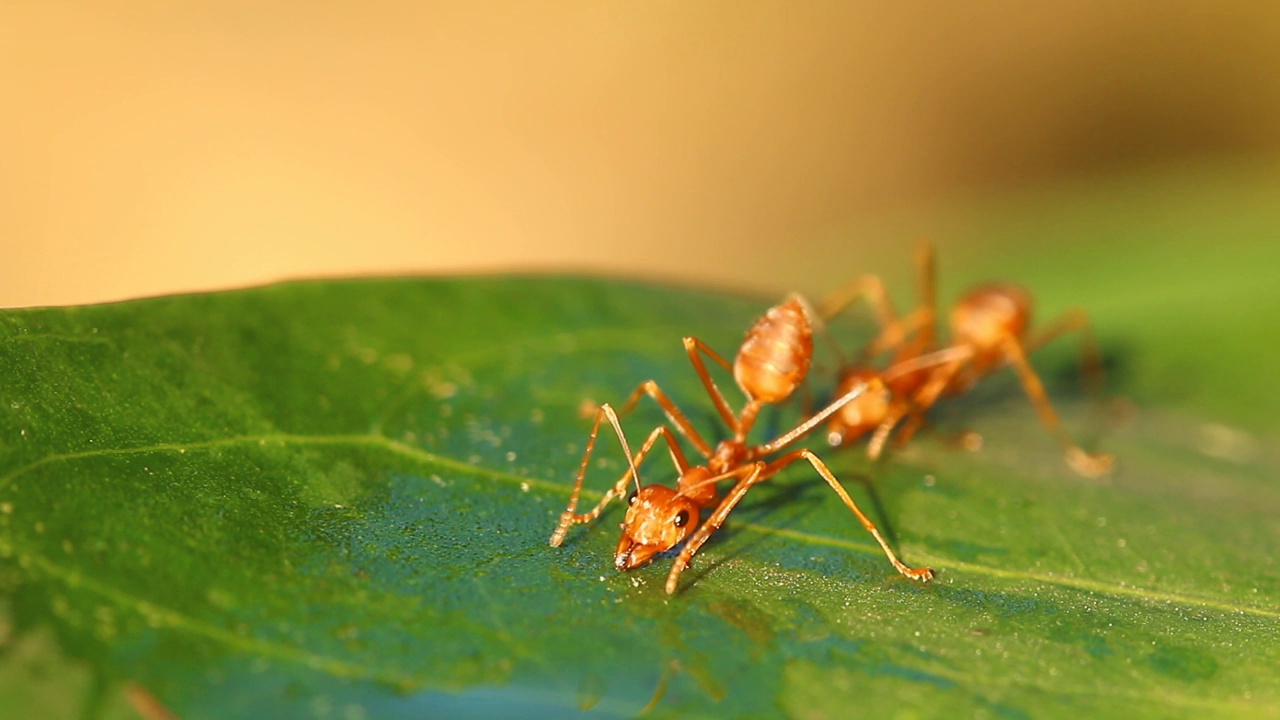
[[334, 499]]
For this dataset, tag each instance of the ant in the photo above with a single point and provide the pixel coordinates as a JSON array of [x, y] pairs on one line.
[[772, 362], [989, 330]]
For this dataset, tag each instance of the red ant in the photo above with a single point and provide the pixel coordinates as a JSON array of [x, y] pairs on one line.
[[989, 326], [770, 365]]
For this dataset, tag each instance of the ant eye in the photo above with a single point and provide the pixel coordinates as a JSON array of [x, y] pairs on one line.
[[682, 518], [631, 499]]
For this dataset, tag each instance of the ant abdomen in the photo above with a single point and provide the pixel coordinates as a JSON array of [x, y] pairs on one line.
[[989, 314], [774, 358]]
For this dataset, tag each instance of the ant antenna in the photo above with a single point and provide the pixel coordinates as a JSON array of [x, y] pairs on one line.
[[920, 362], [631, 462], [690, 489]]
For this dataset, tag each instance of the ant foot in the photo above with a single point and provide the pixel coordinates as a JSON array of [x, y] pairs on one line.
[[967, 440], [562, 529], [921, 574], [1089, 465], [587, 408], [673, 579]]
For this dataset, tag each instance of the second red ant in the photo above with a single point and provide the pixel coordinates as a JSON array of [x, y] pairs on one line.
[[990, 327]]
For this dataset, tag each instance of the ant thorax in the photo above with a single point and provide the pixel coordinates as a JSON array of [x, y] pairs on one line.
[[693, 484], [729, 454]]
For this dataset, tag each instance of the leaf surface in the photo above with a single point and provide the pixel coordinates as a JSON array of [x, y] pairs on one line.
[[334, 499]]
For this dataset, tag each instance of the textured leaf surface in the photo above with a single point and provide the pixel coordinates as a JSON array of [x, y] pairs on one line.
[[333, 499]]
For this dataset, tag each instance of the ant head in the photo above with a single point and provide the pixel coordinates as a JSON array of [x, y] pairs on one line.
[[864, 412], [657, 520]]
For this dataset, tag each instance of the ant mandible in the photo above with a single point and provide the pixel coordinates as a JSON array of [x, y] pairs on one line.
[[770, 365], [989, 330]]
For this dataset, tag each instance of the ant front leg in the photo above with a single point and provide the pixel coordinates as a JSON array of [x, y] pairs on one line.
[[1084, 463], [569, 518], [921, 574], [753, 473]]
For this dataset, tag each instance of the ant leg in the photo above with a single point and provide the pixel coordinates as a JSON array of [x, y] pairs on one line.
[[937, 360], [876, 445], [753, 474], [940, 379], [918, 321], [692, 345], [914, 422], [963, 440], [922, 574], [946, 363], [1079, 460], [569, 517], [927, 276], [870, 287], [677, 418], [1076, 320], [923, 320]]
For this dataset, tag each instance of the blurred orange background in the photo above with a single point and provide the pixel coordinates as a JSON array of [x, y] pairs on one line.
[[150, 147]]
